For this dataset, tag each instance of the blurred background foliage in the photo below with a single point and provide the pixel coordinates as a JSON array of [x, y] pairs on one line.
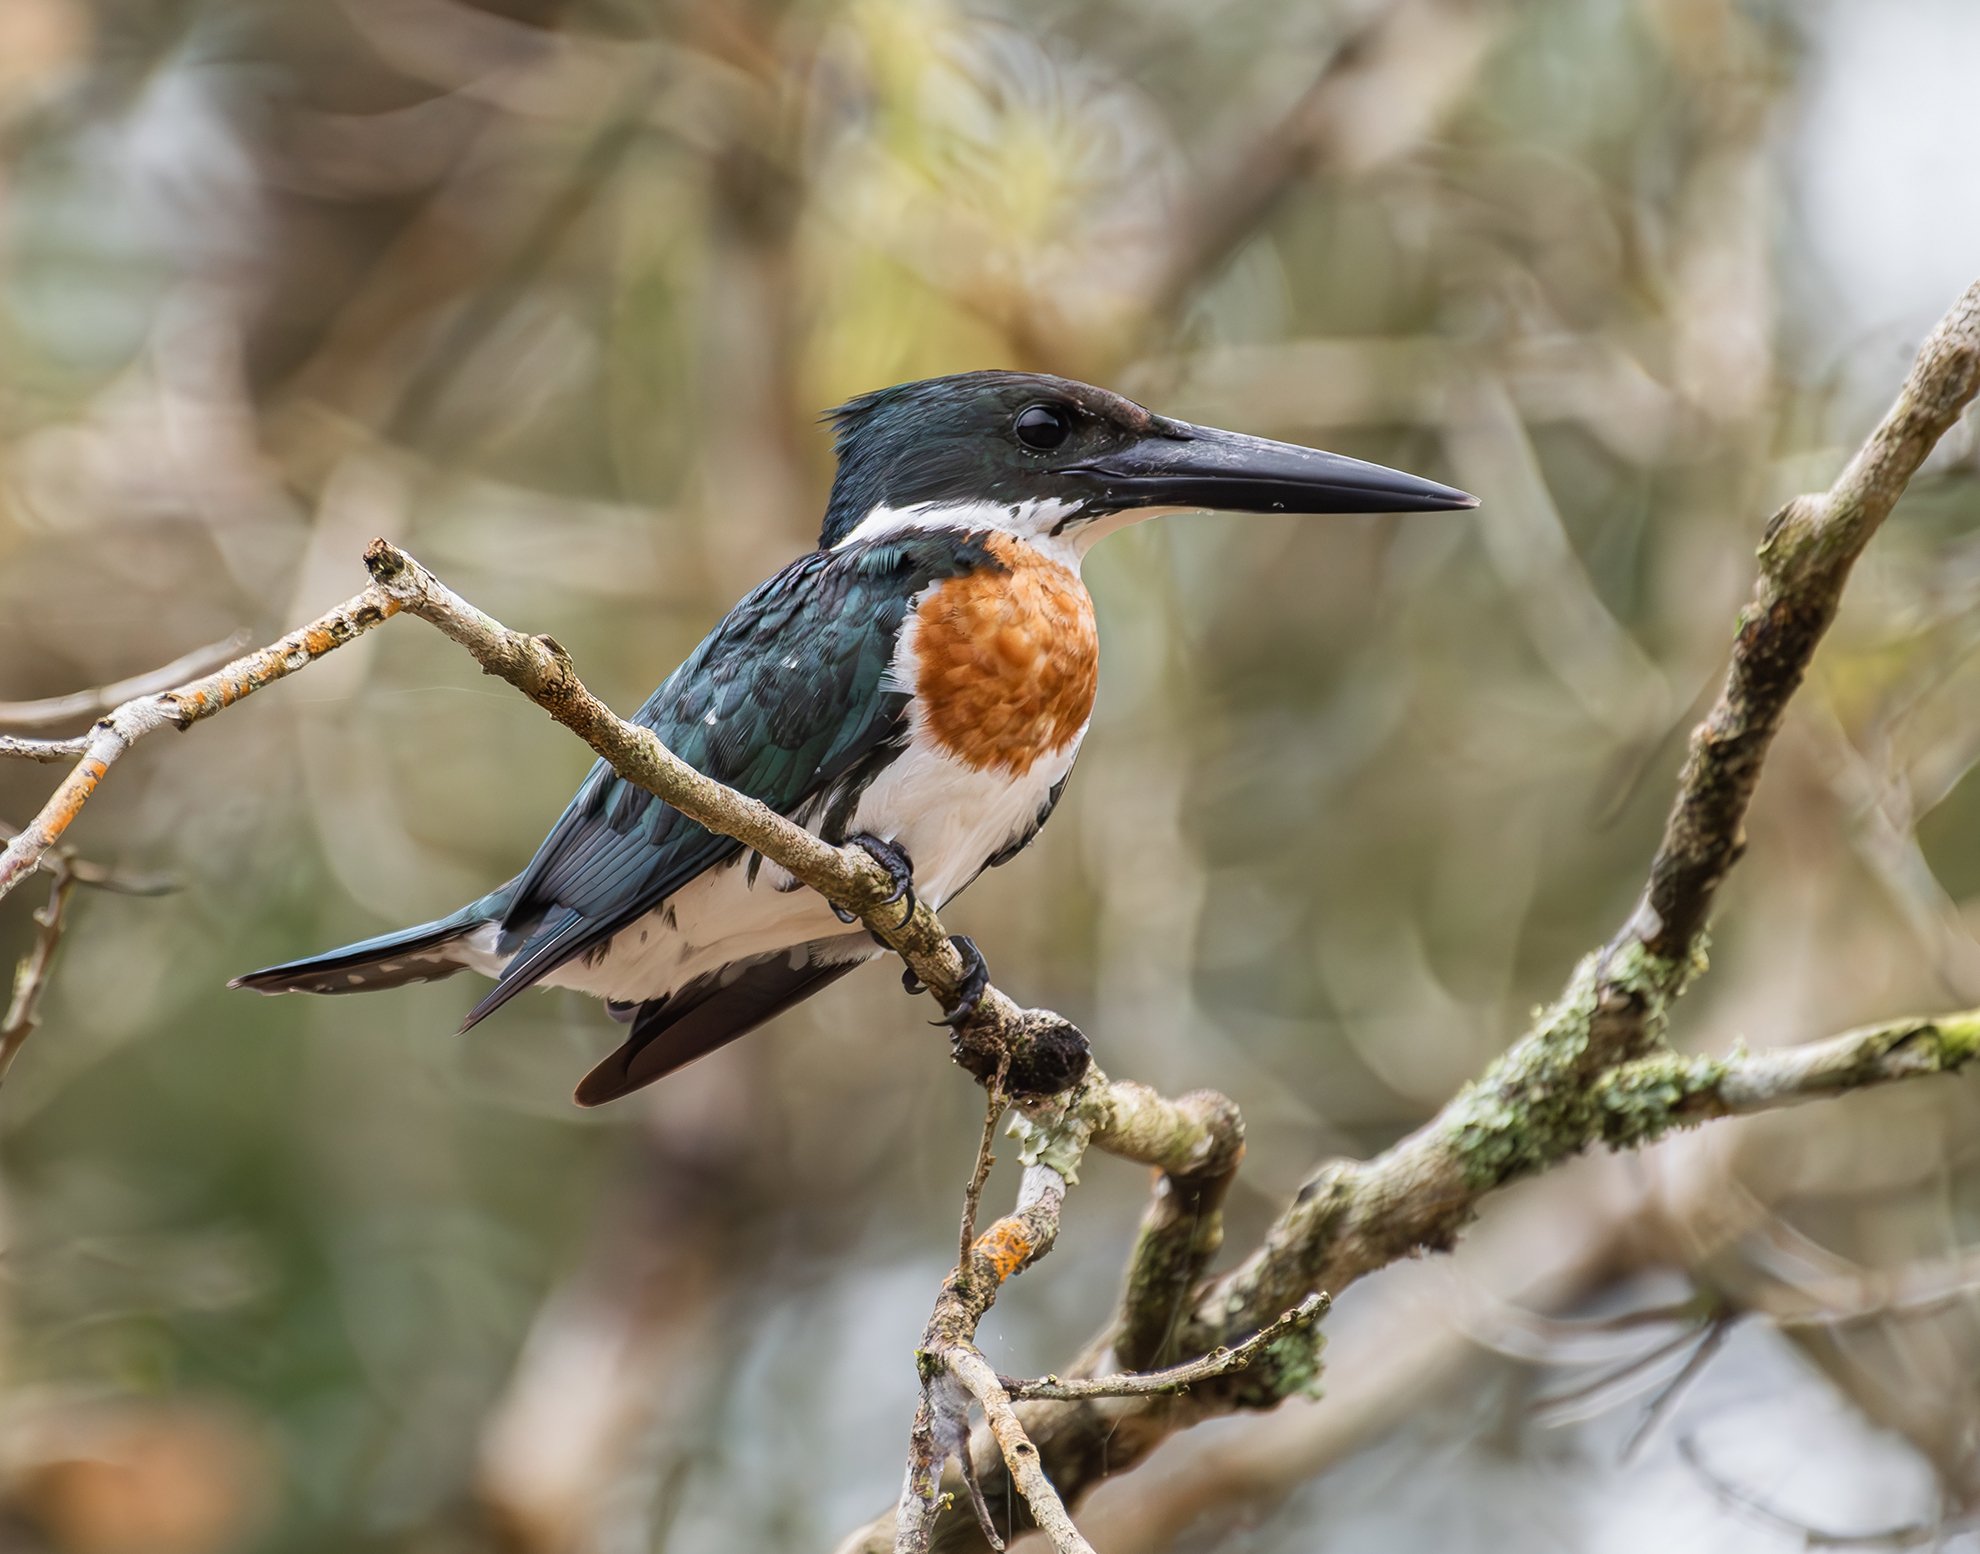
[[552, 291]]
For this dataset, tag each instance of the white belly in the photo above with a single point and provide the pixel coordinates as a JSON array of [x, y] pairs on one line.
[[950, 818]]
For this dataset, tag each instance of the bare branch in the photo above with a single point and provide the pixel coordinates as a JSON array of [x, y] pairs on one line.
[[105, 698], [181, 708], [993, 1111], [1177, 1378], [42, 749], [1020, 1455]]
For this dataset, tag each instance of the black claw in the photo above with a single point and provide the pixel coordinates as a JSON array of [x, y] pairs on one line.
[[894, 858], [975, 981], [911, 984]]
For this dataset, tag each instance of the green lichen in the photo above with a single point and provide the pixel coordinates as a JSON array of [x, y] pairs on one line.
[[1539, 1102], [1958, 1042], [1289, 1366], [1640, 1102], [1937, 1046], [1055, 1140]]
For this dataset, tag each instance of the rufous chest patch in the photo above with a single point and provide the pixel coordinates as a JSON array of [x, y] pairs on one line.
[[1007, 660]]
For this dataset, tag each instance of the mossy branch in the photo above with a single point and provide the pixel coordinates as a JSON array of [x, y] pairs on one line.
[[1593, 1067]]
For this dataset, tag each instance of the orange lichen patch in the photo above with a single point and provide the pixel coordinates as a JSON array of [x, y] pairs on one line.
[[1007, 1247], [74, 793], [300, 648], [1008, 660]]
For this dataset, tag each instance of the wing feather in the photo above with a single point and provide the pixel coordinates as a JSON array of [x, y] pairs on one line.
[[789, 700]]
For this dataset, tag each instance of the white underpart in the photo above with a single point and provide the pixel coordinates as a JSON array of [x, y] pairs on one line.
[[951, 818]]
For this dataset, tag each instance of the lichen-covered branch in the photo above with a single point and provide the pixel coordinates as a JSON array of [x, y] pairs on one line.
[[1181, 1231], [1537, 1104], [1805, 560], [940, 1434], [1190, 1137], [1674, 1089], [1593, 1067]]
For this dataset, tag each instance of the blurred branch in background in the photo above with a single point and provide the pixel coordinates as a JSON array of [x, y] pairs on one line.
[[31, 977], [107, 698]]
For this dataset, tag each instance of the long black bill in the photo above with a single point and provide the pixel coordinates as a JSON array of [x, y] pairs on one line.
[[1200, 466]]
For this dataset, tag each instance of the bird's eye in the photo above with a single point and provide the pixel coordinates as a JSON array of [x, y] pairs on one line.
[[1042, 427]]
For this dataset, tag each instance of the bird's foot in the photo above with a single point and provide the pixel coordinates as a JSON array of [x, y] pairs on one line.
[[1031, 1053], [894, 858], [975, 982]]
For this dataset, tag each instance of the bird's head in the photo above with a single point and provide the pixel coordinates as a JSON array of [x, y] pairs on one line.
[[1052, 460]]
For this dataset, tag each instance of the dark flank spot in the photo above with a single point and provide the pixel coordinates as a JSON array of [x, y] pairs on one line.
[[643, 935], [667, 917]]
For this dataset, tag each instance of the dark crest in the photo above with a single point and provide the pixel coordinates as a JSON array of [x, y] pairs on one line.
[[958, 439]]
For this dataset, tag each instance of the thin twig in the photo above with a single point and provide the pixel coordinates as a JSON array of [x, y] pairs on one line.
[[994, 1104], [99, 876], [1672, 1393], [42, 749], [31, 978], [973, 1485], [100, 699], [1907, 1536], [1177, 1378], [181, 708], [966, 1362]]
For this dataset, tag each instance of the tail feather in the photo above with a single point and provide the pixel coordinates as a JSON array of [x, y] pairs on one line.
[[424, 953], [669, 1033]]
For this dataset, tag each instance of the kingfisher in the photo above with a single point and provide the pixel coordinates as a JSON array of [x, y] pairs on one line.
[[917, 686]]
